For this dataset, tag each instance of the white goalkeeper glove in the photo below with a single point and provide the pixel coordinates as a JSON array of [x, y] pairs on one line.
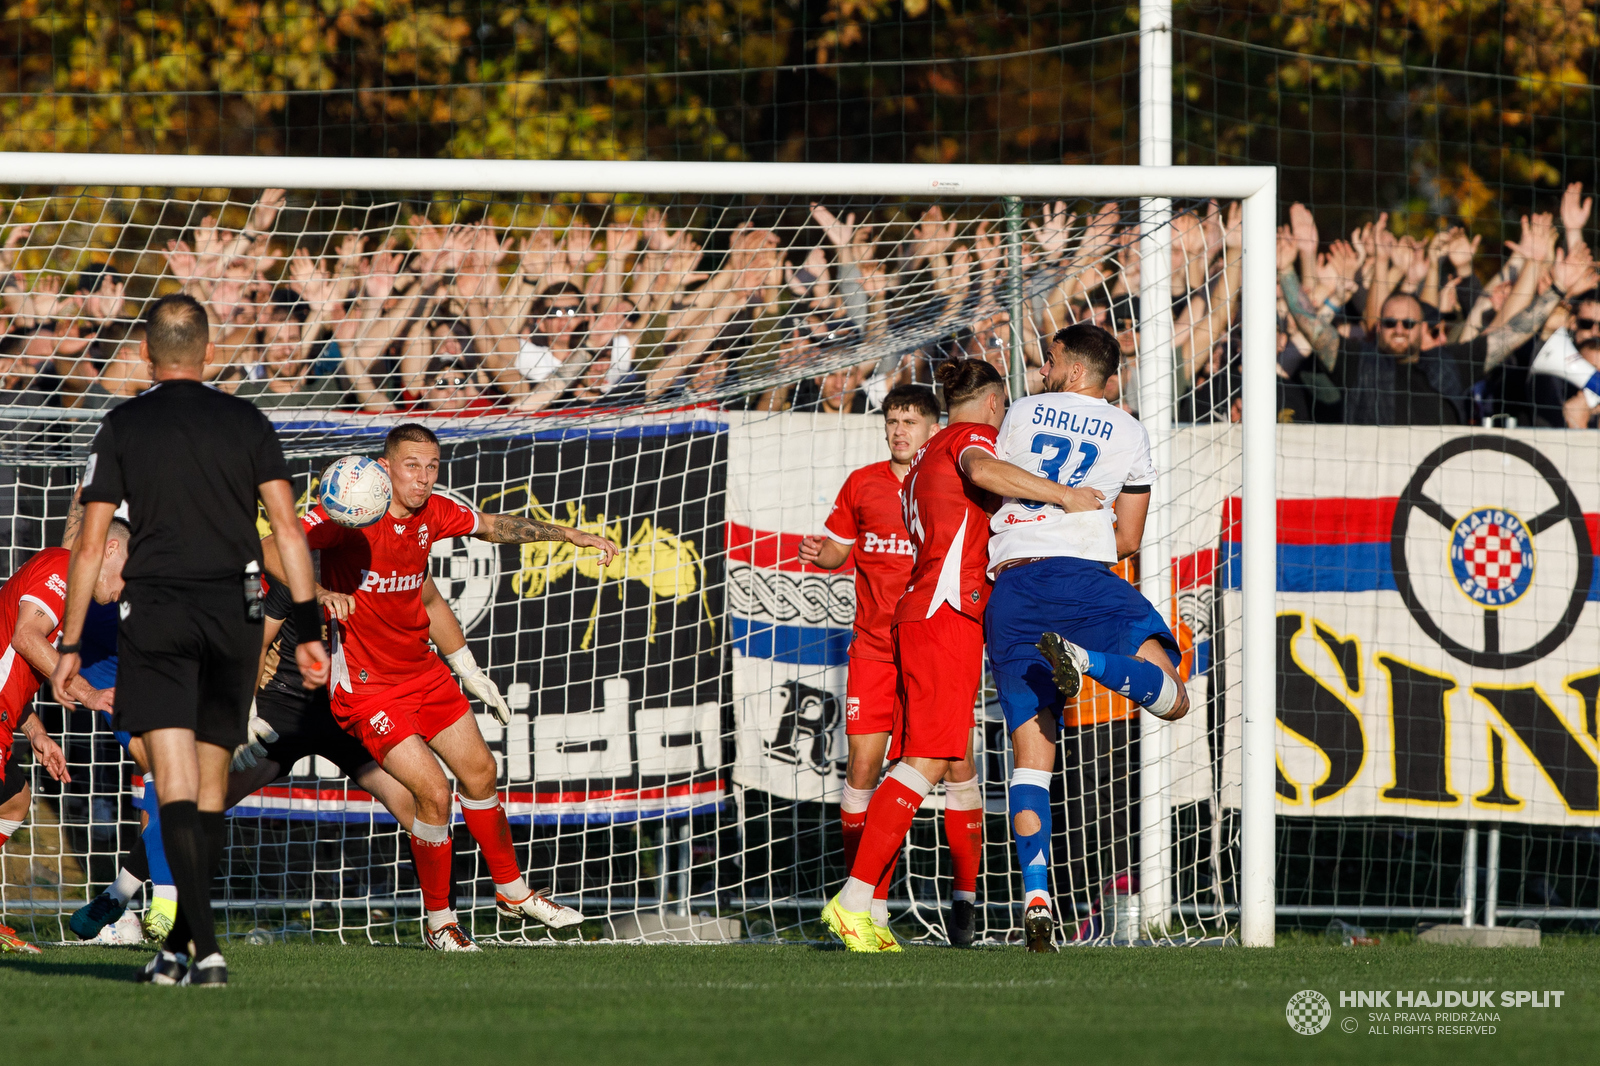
[[476, 682], [259, 734]]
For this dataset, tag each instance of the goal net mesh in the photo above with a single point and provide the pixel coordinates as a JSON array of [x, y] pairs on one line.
[[692, 377]]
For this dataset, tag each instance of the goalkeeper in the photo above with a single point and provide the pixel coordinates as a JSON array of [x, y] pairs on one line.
[[390, 691]]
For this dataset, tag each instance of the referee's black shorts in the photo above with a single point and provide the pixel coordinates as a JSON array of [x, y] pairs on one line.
[[187, 659], [305, 726]]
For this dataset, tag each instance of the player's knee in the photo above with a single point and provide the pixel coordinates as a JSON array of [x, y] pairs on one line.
[[434, 801], [1026, 823], [862, 772], [476, 780]]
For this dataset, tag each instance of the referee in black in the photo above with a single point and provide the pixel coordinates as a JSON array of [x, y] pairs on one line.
[[190, 462]]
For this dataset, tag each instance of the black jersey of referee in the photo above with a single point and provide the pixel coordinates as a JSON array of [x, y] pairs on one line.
[[188, 459]]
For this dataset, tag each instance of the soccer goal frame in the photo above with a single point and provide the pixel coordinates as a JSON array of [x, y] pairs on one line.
[[1155, 186]]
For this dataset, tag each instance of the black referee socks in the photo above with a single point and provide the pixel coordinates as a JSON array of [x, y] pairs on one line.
[[187, 834]]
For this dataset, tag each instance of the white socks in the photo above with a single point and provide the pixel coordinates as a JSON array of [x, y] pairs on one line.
[[125, 887], [433, 834], [855, 800], [516, 891], [880, 912], [963, 795], [1163, 704], [437, 920]]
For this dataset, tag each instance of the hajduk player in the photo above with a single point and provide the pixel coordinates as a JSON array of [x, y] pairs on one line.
[[1058, 614], [868, 522], [953, 484], [33, 602], [392, 693]]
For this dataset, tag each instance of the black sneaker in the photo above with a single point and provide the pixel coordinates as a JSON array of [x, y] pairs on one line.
[[167, 968], [962, 924], [89, 919], [1067, 662], [210, 972], [1040, 930]]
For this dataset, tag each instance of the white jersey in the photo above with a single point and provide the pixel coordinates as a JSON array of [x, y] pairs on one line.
[[1074, 440], [1559, 357]]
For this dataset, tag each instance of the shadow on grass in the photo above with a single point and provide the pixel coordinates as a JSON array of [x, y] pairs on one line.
[[120, 972]]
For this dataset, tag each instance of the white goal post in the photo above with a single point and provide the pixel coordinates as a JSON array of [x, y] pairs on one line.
[[1256, 187]]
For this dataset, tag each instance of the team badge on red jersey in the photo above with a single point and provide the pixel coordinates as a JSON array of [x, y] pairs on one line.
[[380, 723]]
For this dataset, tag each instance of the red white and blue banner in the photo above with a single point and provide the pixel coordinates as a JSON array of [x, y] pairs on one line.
[[1438, 645], [789, 623]]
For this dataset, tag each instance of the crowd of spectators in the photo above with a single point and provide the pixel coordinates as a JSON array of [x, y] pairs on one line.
[[456, 320]]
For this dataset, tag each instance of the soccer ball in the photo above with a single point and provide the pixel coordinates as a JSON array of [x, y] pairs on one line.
[[355, 491]]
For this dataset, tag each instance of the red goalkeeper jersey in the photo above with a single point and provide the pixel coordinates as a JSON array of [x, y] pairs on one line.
[[949, 522], [41, 582], [384, 565], [868, 516]]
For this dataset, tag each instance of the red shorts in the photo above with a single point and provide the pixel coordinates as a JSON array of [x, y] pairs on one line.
[[869, 697], [381, 716], [941, 667]]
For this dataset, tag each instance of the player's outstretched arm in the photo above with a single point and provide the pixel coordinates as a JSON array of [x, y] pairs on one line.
[[83, 573], [1004, 479], [825, 553], [294, 556], [516, 529], [1131, 509]]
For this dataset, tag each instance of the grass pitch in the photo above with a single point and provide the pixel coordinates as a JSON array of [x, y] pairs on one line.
[[317, 1003]]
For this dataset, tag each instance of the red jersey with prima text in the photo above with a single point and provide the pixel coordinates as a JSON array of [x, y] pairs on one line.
[[40, 583], [385, 639], [948, 519], [868, 516]]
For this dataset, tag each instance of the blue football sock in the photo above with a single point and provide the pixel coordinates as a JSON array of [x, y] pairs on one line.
[[155, 853], [1134, 678], [1030, 791]]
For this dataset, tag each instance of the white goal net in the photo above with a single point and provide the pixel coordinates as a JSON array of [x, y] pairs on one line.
[[693, 376]]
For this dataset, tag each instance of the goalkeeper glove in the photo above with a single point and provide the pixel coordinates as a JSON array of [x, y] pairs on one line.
[[258, 735], [475, 681]]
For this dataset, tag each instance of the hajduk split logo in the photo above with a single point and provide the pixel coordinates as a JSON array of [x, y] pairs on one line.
[[1491, 556]]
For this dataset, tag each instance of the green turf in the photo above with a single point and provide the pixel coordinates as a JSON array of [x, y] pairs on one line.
[[305, 1003]]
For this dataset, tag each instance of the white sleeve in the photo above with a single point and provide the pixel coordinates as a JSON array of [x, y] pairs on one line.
[[1002, 439], [1142, 469]]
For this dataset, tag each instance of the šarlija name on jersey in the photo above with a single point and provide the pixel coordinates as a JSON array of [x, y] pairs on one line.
[[371, 582], [890, 545], [1072, 422]]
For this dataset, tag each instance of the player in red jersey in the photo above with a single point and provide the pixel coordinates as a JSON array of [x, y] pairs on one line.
[[868, 523], [32, 604], [953, 484], [392, 693]]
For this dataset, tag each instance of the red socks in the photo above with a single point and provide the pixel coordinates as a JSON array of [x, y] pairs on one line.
[[850, 825], [964, 831], [894, 805], [486, 821], [433, 859]]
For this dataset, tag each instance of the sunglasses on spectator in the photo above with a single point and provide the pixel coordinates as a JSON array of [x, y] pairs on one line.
[[446, 382], [562, 312], [1403, 323], [1586, 323]]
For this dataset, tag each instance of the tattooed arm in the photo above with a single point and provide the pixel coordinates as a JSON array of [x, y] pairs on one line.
[[69, 537], [1506, 336], [1323, 337], [515, 529]]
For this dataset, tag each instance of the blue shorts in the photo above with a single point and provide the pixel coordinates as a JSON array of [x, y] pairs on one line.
[[1081, 600]]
